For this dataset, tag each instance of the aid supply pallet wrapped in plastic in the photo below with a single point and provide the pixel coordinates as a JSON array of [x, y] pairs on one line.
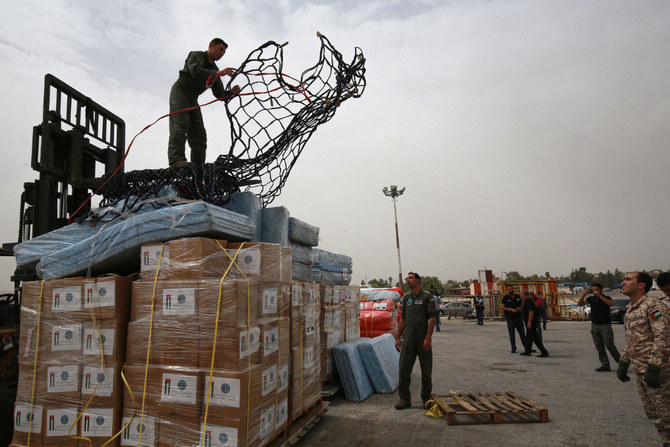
[[381, 360]]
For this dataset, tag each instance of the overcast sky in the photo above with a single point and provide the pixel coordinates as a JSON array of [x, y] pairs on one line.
[[530, 135]]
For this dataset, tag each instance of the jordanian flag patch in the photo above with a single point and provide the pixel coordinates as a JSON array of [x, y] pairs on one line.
[[655, 315]]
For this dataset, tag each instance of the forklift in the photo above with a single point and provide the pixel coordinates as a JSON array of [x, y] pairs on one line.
[[76, 140]]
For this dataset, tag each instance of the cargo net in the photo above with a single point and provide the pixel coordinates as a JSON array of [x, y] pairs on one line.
[[271, 121]]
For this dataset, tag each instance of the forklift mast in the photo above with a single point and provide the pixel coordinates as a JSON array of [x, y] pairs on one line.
[[75, 136]]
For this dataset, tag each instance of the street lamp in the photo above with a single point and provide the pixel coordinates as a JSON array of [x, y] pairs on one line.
[[394, 193]]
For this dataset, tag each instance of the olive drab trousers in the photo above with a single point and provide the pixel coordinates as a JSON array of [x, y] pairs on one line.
[[412, 347], [187, 125]]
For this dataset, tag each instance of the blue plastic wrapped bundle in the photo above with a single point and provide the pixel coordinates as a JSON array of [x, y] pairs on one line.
[[355, 380], [275, 225], [381, 360], [330, 259], [302, 232], [325, 275], [302, 253], [117, 247], [301, 272]]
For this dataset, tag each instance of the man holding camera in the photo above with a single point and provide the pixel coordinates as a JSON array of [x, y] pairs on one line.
[[601, 326]]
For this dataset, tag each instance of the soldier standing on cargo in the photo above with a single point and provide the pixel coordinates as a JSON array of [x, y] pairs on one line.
[[199, 72], [648, 349], [417, 322], [601, 326], [511, 305]]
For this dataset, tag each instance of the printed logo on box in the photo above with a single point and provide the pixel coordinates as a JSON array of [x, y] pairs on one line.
[[327, 320], [25, 420], [60, 420], [270, 300], [152, 254], [224, 392], [311, 297], [249, 341], [361, 306], [92, 341], [308, 358], [269, 382], [101, 294], [282, 413], [282, 378], [296, 292], [97, 422], [248, 260], [104, 379], [267, 423], [329, 295], [216, 436], [310, 323], [337, 319], [66, 338], [179, 302], [270, 341], [131, 432], [63, 379], [179, 388], [66, 299]]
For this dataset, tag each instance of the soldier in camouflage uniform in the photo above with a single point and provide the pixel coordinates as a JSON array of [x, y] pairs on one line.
[[663, 281], [417, 322], [199, 70], [648, 350]]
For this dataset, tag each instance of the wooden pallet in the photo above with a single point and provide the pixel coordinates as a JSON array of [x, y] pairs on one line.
[[490, 408], [300, 426]]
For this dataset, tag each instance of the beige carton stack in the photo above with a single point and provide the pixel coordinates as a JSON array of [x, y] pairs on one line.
[[352, 314], [208, 351], [305, 379], [332, 320], [67, 387]]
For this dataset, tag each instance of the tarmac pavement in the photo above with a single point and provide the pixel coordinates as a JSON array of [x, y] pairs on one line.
[[586, 408]]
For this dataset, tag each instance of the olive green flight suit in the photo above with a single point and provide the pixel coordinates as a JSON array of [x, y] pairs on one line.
[[416, 311], [192, 83]]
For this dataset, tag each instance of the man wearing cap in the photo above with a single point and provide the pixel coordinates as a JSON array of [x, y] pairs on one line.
[[416, 323]]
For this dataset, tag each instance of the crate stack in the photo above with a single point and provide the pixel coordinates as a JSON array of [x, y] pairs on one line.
[[340, 322], [73, 337], [208, 358], [305, 386]]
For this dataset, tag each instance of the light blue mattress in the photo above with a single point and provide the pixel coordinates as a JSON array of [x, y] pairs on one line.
[[381, 361], [303, 233], [116, 247], [355, 380]]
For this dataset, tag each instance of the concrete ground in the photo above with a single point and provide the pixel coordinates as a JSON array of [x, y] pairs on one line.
[[586, 408]]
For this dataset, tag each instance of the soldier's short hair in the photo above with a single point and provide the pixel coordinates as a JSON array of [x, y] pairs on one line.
[[663, 279], [597, 284], [646, 279], [525, 293], [416, 275], [218, 41]]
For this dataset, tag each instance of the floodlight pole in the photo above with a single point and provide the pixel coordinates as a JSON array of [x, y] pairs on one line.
[[394, 193]]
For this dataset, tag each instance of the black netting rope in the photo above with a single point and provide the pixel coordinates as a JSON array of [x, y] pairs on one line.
[[271, 121]]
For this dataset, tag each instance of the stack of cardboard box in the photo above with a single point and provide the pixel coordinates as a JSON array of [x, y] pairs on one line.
[[305, 387], [73, 337], [209, 344]]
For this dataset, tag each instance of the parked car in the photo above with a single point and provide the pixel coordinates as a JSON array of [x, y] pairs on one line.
[[457, 309], [618, 309]]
